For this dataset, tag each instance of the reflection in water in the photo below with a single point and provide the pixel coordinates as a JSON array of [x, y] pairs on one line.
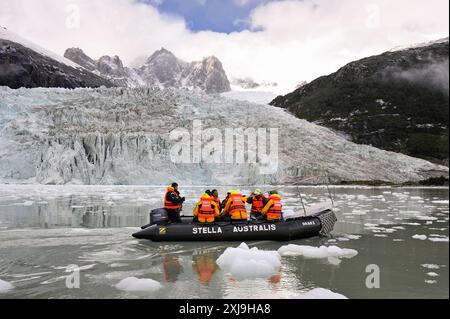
[[205, 266], [43, 229], [172, 268], [275, 279]]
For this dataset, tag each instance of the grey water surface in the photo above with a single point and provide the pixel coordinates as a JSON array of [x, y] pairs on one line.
[[47, 231]]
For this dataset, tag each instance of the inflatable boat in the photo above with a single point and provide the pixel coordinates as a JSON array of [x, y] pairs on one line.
[[319, 223]]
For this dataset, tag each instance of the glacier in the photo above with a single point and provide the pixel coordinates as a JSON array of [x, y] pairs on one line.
[[113, 136]]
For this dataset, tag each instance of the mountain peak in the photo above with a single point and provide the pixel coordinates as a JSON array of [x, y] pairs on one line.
[[78, 56]]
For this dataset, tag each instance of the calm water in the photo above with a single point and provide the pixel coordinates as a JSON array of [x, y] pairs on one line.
[[45, 230]]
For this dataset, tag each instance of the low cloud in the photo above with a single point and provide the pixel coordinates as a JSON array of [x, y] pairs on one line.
[[287, 41], [434, 75]]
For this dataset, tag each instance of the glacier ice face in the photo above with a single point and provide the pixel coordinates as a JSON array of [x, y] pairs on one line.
[[121, 136]]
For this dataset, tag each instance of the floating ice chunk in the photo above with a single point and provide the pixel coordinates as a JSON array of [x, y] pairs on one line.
[[135, 284], [415, 197], [428, 281], [380, 235], [432, 274], [321, 293], [354, 237], [399, 227], [5, 286], [439, 239], [242, 262], [440, 201], [343, 239], [430, 266], [398, 239], [370, 225], [316, 252], [426, 218], [360, 212], [420, 237], [412, 224]]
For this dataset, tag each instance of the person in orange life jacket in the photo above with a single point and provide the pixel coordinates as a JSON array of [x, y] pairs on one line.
[[272, 211], [173, 203], [235, 207], [215, 195], [224, 202], [258, 201], [206, 209]]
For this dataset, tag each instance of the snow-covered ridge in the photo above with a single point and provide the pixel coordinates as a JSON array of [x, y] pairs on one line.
[[418, 45], [121, 136], [5, 34]]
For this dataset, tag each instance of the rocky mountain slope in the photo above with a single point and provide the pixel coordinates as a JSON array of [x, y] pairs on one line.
[[110, 68], [162, 69], [396, 101], [122, 136], [23, 64]]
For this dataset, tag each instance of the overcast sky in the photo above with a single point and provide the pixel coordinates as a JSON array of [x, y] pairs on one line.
[[283, 41]]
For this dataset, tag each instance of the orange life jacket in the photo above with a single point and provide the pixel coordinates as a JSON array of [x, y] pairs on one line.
[[237, 209], [169, 204], [274, 212], [257, 204], [206, 210]]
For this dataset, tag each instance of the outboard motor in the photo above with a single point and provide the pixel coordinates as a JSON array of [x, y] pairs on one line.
[[157, 217]]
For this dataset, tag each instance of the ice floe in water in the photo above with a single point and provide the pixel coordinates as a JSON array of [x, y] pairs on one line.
[[432, 274], [245, 263], [439, 239], [428, 281], [5, 286], [420, 237], [317, 252], [136, 284], [321, 293], [440, 201], [430, 266], [353, 237], [428, 218]]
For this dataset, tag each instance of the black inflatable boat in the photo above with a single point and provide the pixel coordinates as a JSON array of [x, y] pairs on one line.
[[317, 224]]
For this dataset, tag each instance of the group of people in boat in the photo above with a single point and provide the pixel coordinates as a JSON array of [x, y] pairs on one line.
[[210, 208]]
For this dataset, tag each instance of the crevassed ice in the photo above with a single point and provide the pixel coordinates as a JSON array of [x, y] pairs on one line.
[[121, 136]]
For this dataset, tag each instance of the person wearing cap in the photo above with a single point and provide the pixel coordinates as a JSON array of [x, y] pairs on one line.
[[173, 203], [272, 211], [258, 201]]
